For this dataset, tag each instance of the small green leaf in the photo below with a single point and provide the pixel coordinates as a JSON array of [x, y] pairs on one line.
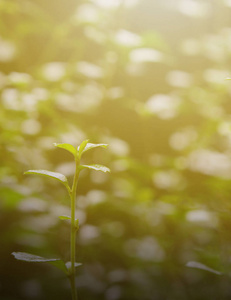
[[57, 262], [91, 146], [64, 218], [197, 265], [96, 168], [67, 147], [82, 146], [68, 264], [60, 264], [54, 175], [69, 218], [32, 258], [76, 223]]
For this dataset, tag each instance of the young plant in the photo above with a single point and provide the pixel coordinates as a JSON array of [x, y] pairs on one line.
[[69, 267]]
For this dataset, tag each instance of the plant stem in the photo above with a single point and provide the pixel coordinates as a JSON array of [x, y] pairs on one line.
[[73, 231]]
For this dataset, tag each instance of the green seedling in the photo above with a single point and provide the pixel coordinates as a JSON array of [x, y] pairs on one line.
[[67, 267]]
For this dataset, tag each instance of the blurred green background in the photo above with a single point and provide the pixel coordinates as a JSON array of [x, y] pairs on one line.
[[147, 77]]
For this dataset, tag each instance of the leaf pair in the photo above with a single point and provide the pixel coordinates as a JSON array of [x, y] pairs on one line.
[[57, 262], [62, 178], [77, 152], [84, 147], [69, 218]]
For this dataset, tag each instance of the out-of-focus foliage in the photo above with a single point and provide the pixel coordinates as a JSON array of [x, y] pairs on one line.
[[148, 78]]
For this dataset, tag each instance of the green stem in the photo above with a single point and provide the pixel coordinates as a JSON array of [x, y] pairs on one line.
[[73, 288], [73, 231]]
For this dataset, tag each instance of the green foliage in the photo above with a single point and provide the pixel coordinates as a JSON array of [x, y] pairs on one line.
[[64, 218], [67, 147], [32, 258], [38, 259], [55, 175], [58, 263], [82, 147], [69, 267], [95, 167], [89, 146], [197, 265], [156, 91], [69, 218]]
